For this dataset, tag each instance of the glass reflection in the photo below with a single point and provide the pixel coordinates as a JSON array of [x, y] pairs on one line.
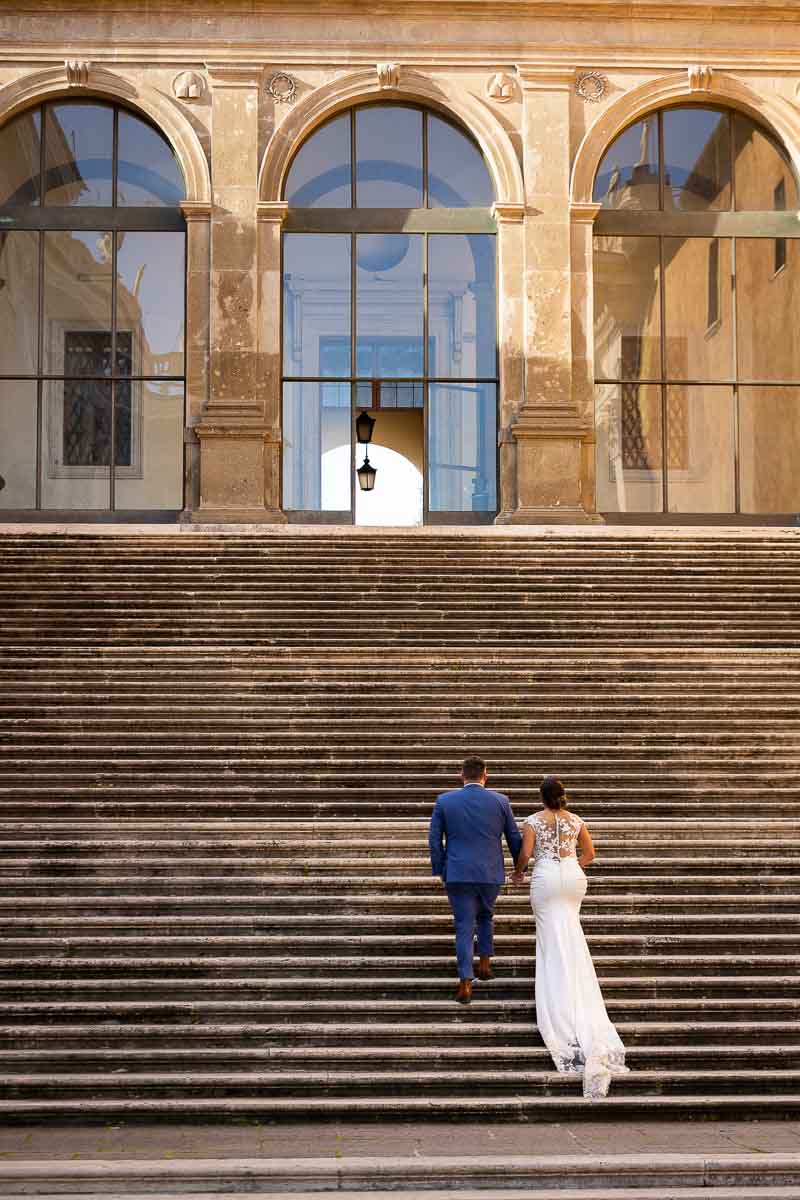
[[760, 167], [700, 449], [319, 176], [316, 304], [766, 307], [148, 423], [389, 306], [769, 449], [627, 308], [19, 287], [389, 157], [628, 175], [457, 173], [462, 447], [79, 142], [20, 154], [461, 306], [629, 448], [697, 159], [698, 308], [312, 430], [148, 172], [150, 303], [18, 422], [77, 303], [76, 444]]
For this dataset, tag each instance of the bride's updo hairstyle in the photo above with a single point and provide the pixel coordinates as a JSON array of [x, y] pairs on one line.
[[553, 794]]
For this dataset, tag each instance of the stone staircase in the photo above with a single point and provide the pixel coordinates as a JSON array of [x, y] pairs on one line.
[[220, 753]]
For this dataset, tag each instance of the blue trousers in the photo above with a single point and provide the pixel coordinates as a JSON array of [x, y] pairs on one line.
[[473, 909]]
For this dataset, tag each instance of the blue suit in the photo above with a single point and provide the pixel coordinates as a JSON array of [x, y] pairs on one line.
[[465, 840]]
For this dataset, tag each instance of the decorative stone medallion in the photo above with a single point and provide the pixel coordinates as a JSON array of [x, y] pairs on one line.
[[501, 87], [591, 86], [388, 75], [188, 86], [77, 72], [282, 88], [700, 77]]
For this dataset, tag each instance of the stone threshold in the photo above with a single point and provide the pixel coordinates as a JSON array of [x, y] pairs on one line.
[[611, 532]]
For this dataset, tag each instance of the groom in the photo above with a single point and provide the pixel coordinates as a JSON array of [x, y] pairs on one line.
[[465, 838]]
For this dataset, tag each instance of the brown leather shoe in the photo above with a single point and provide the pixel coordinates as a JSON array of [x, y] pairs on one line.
[[464, 993], [485, 972]]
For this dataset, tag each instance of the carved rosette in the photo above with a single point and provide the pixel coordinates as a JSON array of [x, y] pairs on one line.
[[700, 77], [77, 70], [282, 88], [591, 86], [388, 75]]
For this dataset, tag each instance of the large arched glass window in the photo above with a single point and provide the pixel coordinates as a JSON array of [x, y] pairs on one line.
[[697, 301], [92, 282], [389, 306]]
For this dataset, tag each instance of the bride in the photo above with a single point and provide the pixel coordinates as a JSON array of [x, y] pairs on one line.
[[570, 1012]]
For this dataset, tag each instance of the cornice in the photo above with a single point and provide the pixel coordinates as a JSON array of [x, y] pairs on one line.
[[227, 74]]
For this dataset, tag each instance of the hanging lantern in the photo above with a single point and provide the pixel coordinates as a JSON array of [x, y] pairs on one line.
[[366, 475], [364, 426]]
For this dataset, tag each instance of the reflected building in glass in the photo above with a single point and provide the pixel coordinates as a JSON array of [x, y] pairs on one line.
[[566, 292]]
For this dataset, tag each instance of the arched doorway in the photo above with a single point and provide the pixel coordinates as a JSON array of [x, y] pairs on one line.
[[92, 271], [696, 300], [389, 306]]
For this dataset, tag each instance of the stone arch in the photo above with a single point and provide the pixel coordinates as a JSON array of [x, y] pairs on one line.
[[770, 110], [106, 85], [414, 87]]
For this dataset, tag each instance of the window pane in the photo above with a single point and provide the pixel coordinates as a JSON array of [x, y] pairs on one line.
[[769, 449], [698, 304], [149, 438], [457, 174], [628, 175], [319, 176], [389, 157], [697, 159], [461, 306], [79, 141], [316, 450], [629, 448], [766, 306], [77, 303], [20, 159], [700, 450], [19, 273], [389, 305], [76, 444], [316, 304], [18, 443], [627, 308], [149, 175], [150, 303], [462, 447], [760, 166]]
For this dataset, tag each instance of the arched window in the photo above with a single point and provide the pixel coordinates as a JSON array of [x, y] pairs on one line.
[[697, 300], [389, 306], [92, 282]]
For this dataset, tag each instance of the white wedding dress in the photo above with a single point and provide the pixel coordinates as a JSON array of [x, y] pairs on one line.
[[570, 1012]]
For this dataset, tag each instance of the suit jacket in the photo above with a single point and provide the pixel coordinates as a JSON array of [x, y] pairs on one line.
[[466, 833]]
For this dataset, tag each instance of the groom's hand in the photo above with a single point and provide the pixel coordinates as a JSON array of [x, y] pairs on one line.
[[518, 877]]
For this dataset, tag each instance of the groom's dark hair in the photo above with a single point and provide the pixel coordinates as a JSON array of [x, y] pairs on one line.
[[473, 767]]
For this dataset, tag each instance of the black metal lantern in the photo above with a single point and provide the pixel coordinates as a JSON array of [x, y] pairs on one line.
[[364, 427], [366, 475]]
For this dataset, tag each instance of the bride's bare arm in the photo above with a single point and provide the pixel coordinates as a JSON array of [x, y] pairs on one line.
[[528, 840], [586, 847]]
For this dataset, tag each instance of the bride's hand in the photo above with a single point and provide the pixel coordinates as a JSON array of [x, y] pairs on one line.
[[518, 878]]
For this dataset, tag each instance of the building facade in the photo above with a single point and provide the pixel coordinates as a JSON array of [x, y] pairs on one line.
[[553, 251]]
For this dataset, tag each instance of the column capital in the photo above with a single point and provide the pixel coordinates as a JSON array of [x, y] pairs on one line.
[[584, 213], [272, 211], [508, 214], [234, 75], [196, 210], [545, 78]]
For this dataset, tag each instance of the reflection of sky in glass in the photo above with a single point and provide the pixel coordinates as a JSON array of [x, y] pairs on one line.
[[390, 305], [457, 173], [151, 268], [696, 157], [79, 142], [631, 162], [389, 157], [316, 303], [319, 176], [148, 171]]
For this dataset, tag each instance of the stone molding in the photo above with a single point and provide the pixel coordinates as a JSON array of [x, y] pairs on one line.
[[700, 77], [357, 86], [508, 214], [77, 70], [272, 211], [196, 210], [165, 114], [580, 214], [234, 74], [546, 78], [766, 107]]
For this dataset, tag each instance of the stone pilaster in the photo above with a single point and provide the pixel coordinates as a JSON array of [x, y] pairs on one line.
[[510, 220], [236, 449], [549, 430], [271, 215], [198, 292]]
